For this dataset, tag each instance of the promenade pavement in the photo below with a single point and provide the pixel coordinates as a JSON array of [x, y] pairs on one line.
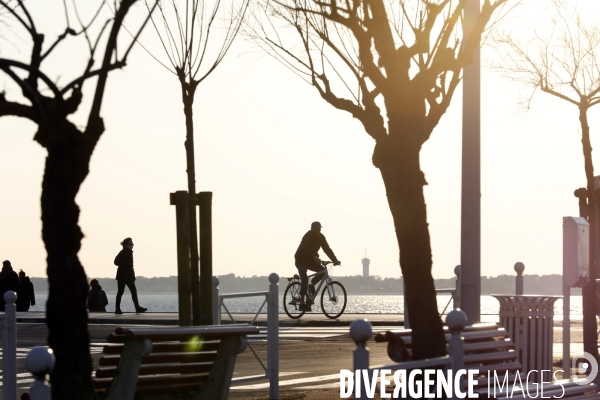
[[312, 350]]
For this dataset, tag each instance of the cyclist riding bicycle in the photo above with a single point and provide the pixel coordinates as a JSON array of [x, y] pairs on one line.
[[307, 258]]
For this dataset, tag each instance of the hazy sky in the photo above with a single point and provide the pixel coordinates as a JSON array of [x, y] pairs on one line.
[[277, 157]]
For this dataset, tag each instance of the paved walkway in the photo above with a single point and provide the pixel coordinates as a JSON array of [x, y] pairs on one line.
[[312, 350]]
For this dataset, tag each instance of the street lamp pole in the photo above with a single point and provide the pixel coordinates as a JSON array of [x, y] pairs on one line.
[[470, 240]]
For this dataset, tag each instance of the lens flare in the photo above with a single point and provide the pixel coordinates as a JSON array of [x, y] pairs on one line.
[[195, 344]]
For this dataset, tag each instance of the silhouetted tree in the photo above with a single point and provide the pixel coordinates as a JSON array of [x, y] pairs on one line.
[[185, 28], [69, 149], [563, 62], [394, 66]]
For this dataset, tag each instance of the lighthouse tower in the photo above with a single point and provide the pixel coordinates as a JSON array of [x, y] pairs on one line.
[[365, 263]]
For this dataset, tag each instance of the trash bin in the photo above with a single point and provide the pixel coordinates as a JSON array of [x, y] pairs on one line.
[[529, 321]]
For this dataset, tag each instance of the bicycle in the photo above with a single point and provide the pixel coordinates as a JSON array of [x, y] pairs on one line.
[[333, 296]]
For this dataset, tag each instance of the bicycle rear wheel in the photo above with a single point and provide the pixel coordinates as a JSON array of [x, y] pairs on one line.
[[291, 301], [334, 302]]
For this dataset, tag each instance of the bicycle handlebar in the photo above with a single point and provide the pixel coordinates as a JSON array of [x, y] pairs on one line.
[[325, 263]]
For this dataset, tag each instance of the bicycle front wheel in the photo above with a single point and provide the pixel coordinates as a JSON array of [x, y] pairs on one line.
[[333, 301], [291, 301]]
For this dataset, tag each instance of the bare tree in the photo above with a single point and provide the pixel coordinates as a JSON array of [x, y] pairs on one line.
[[69, 148], [394, 66], [187, 30], [563, 62]]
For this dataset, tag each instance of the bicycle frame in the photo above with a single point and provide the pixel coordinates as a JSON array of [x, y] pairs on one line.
[[325, 280]]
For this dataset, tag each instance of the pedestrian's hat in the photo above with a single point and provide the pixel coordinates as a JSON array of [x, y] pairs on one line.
[[316, 224]]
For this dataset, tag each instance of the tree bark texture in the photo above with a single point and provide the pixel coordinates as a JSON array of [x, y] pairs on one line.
[[66, 315], [188, 90], [397, 158], [590, 326]]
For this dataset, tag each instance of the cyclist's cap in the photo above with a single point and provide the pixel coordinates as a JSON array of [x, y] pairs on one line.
[[316, 224]]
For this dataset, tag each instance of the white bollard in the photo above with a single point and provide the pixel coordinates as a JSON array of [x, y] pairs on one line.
[[9, 347], [40, 362], [456, 321], [216, 302], [273, 336], [360, 332]]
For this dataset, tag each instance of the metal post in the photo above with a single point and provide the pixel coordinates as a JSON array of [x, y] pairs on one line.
[[184, 289], [470, 238], [206, 308], [273, 336], [406, 321], [215, 303], [456, 294], [9, 347], [566, 325], [360, 332], [519, 268], [40, 362]]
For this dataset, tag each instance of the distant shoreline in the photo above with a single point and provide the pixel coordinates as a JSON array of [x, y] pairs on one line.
[[355, 285]]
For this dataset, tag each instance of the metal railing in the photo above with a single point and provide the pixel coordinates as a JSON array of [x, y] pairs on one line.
[[454, 299], [272, 302]]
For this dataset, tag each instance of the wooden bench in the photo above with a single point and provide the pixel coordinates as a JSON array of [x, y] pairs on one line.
[[489, 349], [191, 362]]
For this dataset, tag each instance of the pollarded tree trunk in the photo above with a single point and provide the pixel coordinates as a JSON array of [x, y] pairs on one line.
[[589, 290], [398, 162], [66, 315], [188, 90]]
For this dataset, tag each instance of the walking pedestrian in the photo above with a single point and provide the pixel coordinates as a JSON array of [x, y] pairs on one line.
[[25, 293], [9, 280], [126, 276], [97, 299]]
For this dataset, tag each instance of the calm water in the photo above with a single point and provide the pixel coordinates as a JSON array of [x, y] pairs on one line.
[[356, 304]]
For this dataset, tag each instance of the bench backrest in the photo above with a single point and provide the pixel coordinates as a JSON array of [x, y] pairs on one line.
[[180, 360], [487, 347]]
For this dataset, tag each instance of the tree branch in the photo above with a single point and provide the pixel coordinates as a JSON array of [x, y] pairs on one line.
[[16, 109]]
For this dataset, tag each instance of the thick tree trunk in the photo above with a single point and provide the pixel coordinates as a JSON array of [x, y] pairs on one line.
[[188, 90], [401, 172], [590, 326], [66, 315]]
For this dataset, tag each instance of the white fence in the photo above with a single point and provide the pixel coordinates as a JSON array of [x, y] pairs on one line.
[[271, 300]]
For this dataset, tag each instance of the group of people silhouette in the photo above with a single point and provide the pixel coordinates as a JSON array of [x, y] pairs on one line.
[[19, 283], [97, 299]]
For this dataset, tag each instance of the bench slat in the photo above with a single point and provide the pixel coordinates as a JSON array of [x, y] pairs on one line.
[[489, 357], [171, 388], [164, 358], [155, 369], [175, 347], [488, 346], [145, 381], [188, 332], [472, 336]]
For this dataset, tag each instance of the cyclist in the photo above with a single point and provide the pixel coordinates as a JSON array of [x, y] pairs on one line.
[[307, 258]]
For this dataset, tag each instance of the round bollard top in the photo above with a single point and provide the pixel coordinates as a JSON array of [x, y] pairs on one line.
[[360, 330], [40, 360], [215, 281], [456, 320], [10, 297], [273, 278], [519, 268], [457, 270]]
